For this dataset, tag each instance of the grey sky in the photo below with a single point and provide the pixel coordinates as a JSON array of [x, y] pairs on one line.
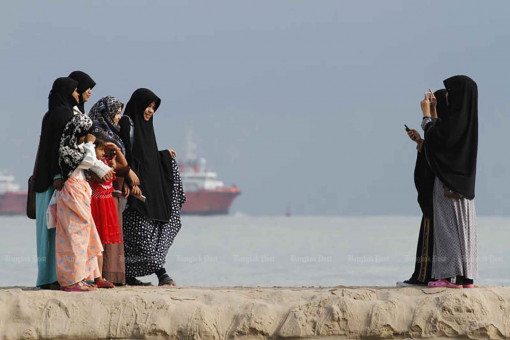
[[299, 103]]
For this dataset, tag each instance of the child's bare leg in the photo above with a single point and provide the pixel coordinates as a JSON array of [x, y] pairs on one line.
[[100, 281]]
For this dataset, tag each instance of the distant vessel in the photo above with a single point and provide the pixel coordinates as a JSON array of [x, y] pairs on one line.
[[205, 193], [12, 199]]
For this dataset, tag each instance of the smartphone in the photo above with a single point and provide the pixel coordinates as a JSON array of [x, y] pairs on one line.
[[141, 198], [407, 128]]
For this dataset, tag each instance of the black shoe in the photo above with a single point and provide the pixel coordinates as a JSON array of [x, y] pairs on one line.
[[51, 286], [133, 281], [165, 280]]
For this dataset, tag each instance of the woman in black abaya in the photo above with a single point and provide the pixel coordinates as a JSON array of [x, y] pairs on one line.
[[63, 97], [424, 181], [151, 226], [451, 145]]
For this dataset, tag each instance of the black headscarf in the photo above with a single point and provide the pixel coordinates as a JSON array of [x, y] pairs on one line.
[[154, 168], [102, 114], [60, 111], [423, 176], [451, 142], [70, 156], [85, 82]]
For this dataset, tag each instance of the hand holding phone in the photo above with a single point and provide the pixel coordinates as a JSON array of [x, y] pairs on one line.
[[140, 197]]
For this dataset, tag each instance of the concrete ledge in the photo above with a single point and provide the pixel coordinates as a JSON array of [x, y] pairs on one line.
[[256, 313]]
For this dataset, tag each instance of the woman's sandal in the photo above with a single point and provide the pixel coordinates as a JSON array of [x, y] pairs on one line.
[[443, 284], [133, 281], [165, 280], [78, 287], [103, 283]]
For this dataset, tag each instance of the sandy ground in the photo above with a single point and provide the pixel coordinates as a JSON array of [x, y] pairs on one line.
[[256, 313]]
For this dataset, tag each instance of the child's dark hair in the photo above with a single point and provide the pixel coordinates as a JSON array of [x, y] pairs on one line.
[[99, 143]]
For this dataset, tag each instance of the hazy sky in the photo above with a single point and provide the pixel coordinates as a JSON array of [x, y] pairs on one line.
[[302, 104]]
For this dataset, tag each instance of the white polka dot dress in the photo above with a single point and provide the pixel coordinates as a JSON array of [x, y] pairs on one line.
[[146, 241], [455, 239]]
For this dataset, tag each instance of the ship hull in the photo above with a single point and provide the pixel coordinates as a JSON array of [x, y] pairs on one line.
[[13, 203], [209, 202]]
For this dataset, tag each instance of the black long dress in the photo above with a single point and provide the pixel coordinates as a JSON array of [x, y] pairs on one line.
[[424, 181]]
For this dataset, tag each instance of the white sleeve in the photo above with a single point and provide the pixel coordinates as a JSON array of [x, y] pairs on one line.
[[425, 121], [91, 162]]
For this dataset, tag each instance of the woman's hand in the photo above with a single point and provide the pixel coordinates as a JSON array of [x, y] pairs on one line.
[[414, 135], [125, 190], [136, 191], [90, 138], [425, 105], [433, 104], [172, 153], [133, 178], [111, 146], [109, 175]]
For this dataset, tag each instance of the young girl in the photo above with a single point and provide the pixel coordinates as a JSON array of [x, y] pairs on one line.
[[77, 242], [105, 216]]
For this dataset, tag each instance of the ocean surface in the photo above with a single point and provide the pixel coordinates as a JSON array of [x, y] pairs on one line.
[[281, 251]]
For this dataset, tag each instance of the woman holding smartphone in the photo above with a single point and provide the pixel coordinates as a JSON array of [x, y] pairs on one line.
[[451, 145], [424, 181]]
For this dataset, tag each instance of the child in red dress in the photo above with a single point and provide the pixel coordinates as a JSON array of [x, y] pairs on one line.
[[104, 209]]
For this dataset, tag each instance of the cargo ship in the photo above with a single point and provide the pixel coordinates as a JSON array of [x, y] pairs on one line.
[[12, 200], [205, 193]]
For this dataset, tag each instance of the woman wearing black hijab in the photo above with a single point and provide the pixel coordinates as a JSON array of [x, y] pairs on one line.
[[451, 145], [63, 97], [424, 182], [151, 226], [85, 86]]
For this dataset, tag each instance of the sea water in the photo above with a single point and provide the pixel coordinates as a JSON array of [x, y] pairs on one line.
[[281, 251]]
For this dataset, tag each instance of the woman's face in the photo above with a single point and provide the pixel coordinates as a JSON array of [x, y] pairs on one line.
[[86, 95], [76, 95], [149, 111], [81, 139], [116, 119]]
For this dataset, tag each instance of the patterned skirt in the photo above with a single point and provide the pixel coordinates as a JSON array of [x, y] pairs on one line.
[[455, 239], [77, 241], [146, 241]]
